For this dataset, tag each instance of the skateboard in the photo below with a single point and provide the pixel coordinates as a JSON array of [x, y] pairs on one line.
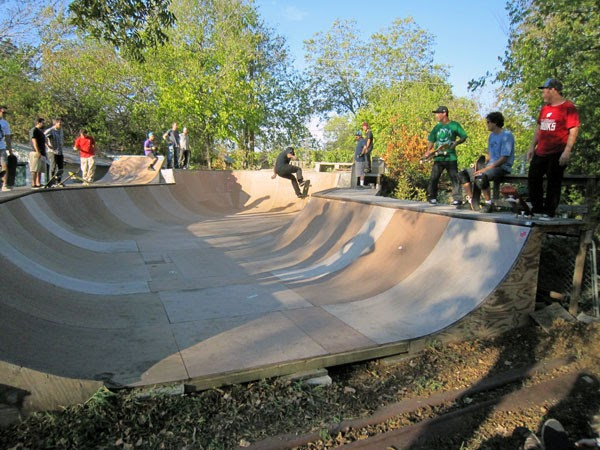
[[476, 199], [72, 176], [53, 181], [11, 168], [512, 196], [440, 151], [305, 188]]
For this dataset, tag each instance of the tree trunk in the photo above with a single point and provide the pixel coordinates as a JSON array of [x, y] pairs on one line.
[[207, 144]]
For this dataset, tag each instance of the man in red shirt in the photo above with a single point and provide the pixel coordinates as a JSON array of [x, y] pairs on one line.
[[87, 149], [550, 150]]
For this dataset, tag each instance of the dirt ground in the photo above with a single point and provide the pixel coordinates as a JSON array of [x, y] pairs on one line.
[[243, 415]]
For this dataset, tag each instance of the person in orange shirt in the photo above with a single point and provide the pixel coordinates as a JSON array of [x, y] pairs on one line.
[[87, 149]]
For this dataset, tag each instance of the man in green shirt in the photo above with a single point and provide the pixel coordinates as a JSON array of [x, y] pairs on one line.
[[444, 137]]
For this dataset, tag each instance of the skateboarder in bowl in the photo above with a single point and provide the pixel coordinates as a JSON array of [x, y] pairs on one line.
[[284, 169]]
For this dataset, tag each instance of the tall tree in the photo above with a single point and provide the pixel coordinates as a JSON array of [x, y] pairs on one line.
[[401, 52], [557, 38], [336, 60], [224, 74], [346, 71]]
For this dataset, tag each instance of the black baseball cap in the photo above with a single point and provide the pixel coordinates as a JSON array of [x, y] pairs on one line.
[[552, 83], [290, 150], [441, 109]]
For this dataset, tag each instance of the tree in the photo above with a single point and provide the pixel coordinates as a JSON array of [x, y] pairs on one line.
[[346, 72], [130, 25], [18, 72], [339, 139], [401, 52], [225, 75], [557, 38], [336, 69], [88, 84]]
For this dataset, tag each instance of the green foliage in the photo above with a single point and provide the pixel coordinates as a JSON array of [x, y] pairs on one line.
[[399, 53], [130, 25], [401, 118], [344, 71], [224, 75], [557, 38], [337, 68], [19, 89], [339, 140], [221, 73]]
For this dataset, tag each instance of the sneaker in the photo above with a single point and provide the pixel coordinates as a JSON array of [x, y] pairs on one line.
[[432, 201], [6, 189], [554, 436], [488, 207], [301, 182], [532, 442], [456, 203]]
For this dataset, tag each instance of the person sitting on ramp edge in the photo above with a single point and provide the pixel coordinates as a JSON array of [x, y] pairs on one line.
[[284, 169]]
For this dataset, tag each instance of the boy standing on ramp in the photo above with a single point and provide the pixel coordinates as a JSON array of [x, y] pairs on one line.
[[284, 169]]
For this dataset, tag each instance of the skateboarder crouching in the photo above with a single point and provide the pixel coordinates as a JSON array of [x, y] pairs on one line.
[[499, 161], [284, 169], [150, 150]]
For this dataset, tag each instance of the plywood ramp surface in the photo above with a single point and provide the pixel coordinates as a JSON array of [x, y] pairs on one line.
[[227, 275]]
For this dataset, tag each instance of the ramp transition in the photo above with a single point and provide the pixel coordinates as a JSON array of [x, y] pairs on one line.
[[227, 276], [132, 169]]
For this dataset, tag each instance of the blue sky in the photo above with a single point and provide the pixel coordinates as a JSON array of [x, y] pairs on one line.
[[470, 35]]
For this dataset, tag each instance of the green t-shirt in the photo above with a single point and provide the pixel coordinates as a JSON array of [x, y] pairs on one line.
[[446, 133]]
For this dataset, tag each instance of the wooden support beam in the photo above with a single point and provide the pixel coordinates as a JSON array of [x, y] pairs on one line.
[[585, 239]]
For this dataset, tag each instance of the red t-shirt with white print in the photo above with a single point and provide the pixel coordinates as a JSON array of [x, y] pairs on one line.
[[555, 123]]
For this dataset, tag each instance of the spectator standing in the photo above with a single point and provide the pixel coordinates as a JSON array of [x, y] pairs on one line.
[[37, 155], [551, 147], [447, 134], [172, 138], [368, 136], [5, 146], [185, 151], [87, 149], [360, 152], [55, 142]]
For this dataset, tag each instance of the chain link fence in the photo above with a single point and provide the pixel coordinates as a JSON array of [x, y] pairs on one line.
[[557, 265]]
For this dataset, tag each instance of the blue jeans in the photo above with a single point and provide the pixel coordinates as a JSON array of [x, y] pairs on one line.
[[173, 157]]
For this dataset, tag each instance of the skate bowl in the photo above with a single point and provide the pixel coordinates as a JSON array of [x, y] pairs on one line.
[[227, 277]]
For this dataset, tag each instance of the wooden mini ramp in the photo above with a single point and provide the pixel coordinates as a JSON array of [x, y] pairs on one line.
[[132, 169], [227, 276]]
